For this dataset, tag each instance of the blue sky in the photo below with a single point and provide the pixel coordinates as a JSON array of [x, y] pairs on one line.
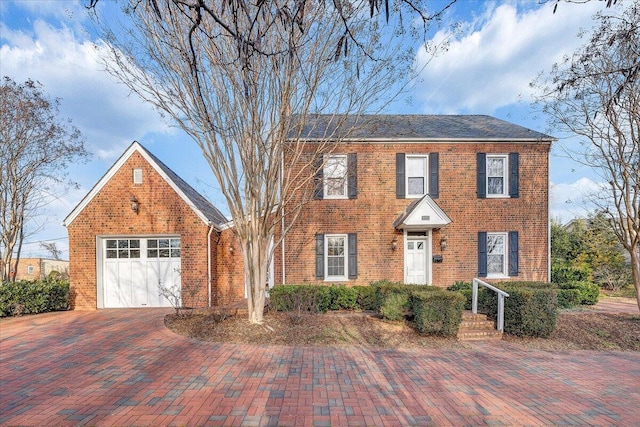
[[494, 51]]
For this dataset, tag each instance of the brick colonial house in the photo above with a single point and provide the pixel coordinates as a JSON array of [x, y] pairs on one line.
[[419, 199]]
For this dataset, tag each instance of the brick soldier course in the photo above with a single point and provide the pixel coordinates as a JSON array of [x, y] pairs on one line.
[[122, 367]]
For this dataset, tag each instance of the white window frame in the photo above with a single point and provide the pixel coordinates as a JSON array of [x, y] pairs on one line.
[[30, 269], [505, 176], [505, 256], [338, 278], [425, 160], [327, 174]]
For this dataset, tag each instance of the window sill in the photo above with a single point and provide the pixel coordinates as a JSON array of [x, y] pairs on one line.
[[498, 196], [336, 279], [335, 198], [498, 276]]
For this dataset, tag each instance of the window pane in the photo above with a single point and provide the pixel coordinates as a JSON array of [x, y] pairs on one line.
[[123, 243], [335, 266], [112, 253], [335, 186], [420, 245], [152, 243], [134, 244], [495, 167], [152, 253], [495, 264], [495, 185], [336, 167], [135, 253], [123, 253], [164, 253], [112, 244], [335, 246], [416, 186], [163, 243], [495, 244], [175, 253], [175, 243], [409, 245]]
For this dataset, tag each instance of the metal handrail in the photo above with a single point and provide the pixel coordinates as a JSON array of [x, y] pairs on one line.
[[501, 295]]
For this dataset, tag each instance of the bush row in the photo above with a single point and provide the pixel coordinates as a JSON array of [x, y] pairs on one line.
[[26, 297], [434, 310], [530, 310]]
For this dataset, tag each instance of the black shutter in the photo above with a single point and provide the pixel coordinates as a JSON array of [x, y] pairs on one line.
[[514, 174], [482, 254], [319, 256], [352, 175], [513, 253], [400, 192], [353, 256], [318, 185], [434, 185], [482, 175]]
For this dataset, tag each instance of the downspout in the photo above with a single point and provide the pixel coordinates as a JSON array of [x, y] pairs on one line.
[[209, 260], [548, 217], [284, 275]]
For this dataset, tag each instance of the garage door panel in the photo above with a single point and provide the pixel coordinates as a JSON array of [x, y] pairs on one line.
[[135, 269]]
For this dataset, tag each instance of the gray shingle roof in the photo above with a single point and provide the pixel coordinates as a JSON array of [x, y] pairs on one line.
[[202, 204], [428, 127]]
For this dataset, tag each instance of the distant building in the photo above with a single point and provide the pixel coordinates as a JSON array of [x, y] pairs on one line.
[[39, 268]]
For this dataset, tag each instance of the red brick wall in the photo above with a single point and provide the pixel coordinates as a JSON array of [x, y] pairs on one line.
[[162, 211], [372, 214], [230, 276]]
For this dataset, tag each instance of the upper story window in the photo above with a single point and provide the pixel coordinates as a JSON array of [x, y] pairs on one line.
[[416, 176], [335, 177], [497, 176]]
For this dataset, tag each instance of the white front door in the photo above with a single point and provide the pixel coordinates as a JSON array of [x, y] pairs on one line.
[[415, 255]]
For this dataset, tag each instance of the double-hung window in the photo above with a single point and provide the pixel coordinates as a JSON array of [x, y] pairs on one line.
[[497, 176], [496, 254], [335, 177], [416, 175], [336, 257]]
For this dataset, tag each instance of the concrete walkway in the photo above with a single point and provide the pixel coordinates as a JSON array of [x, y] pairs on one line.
[[122, 367]]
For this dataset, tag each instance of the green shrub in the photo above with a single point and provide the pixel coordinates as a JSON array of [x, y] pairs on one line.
[[395, 306], [466, 289], [530, 310], [32, 297], [437, 313], [366, 297], [562, 273], [588, 291], [300, 298], [568, 298]]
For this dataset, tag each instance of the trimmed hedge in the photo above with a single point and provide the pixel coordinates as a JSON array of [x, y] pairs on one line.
[[563, 273], [466, 289], [437, 313], [32, 297], [588, 292], [366, 297]]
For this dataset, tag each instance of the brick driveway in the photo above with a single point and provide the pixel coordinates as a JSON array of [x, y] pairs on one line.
[[123, 367]]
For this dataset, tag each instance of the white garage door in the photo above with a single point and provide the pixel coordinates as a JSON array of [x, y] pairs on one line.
[[141, 272]]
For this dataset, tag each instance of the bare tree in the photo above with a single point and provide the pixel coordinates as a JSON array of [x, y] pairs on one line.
[[36, 146], [595, 95], [243, 78], [53, 250]]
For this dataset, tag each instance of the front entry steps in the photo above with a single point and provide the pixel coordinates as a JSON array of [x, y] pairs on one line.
[[477, 327]]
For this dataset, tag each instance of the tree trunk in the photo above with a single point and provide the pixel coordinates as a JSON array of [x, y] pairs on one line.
[[635, 270], [255, 253]]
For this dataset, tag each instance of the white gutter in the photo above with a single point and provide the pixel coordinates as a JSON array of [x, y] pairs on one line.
[[209, 261]]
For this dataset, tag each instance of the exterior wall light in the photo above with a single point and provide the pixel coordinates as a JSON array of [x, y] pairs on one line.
[[443, 243], [394, 243], [135, 205], [230, 249]]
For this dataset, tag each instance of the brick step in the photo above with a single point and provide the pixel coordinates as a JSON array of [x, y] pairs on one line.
[[475, 335], [477, 327]]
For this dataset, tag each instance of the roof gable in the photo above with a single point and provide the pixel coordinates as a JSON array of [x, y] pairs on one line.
[[200, 206], [422, 214]]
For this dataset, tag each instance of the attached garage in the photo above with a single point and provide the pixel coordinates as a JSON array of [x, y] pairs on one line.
[[140, 271], [143, 237]]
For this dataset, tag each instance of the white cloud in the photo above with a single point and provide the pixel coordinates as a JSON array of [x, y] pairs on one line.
[[491, 62], [573, 200], [71, 69]]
